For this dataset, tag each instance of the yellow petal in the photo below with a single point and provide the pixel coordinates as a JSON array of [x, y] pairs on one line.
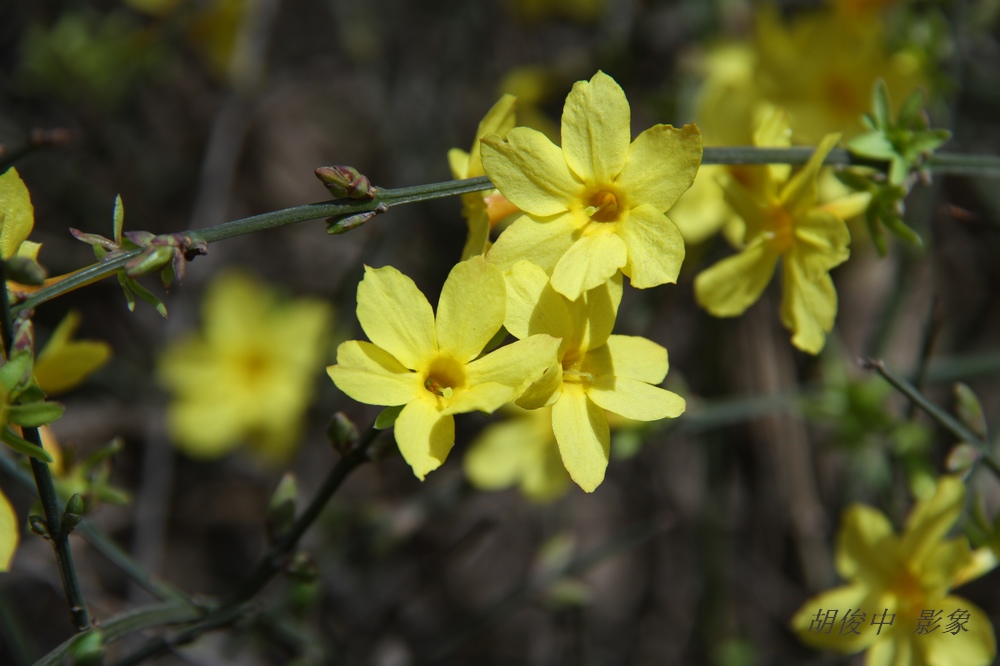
[[516, 365], [495, 459], [589, 263], [396, 315], [545, 391], [17, 215], [866, 544], [458, 162], [594, 314], [637, 358], [932, 519], [477, 220], [808, 304], [424, 436], [581, 430], [596, 129], [542, 243], [636, 400], [533, 306], [655, 247], [530, 171], [9, 533], [982, 561], [65, 363], [371, 375], [484, 397], [499, 120], [812, 630], [661, 166], [975, 647], [732, 285], [821, 241], [799, 194], [231, 300], [471, 309]]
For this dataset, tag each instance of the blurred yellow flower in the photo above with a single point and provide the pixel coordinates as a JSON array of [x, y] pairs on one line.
[[248, 377], [434, 365], [784, 220], [595, 205], [896, 603], [482, 209], [520, 451], [594, 371]]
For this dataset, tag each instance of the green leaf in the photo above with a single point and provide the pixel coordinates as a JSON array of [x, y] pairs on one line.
[[875, 231], [962, 458], [20, 445], [387, 417], [911, 114], [899, 169], [896, 225], [872, 144], [119, 218], [16, 372], [880, 105], [929, 140], [969, 410], [145, 295], [35, 414]]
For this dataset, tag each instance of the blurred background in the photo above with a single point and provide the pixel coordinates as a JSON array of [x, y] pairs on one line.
[[708, 533]]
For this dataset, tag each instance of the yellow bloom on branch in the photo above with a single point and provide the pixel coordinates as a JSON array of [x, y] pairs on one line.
[[433, 364], [248, 378], [784, 220], [595, 205], [897, 603], [482, 209], [595, 371]]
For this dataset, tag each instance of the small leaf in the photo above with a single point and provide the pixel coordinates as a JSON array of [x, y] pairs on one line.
[[119, 218], [927, 141], [881, 106], [148, 297], [96, 240], [35, 414], [969, 409], [899, 169], [281, 508], [911, 114], [896, 225], [872, 144], [387, 417], [24, 446], [15, 373], [38, 525]]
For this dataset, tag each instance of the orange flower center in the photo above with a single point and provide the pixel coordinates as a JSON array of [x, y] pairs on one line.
[[781, 227], [603, 206], [444, 374]]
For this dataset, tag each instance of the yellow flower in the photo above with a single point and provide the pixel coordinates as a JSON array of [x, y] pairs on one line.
[[9, 532], [249, 376], [784, 220], [597, 204], [821, 68], [595, 370], [482, 209], [519, 451], [433, 365], [903, 580], [64, 363]]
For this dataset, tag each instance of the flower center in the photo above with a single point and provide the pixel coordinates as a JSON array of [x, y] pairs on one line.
[[780, 228], [574, 372], [911, 595], [444, 374], [603, 206]]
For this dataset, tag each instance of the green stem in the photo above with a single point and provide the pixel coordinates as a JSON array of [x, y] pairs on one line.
[[59, 537], [938, 163], [946, 420], [270, 565]]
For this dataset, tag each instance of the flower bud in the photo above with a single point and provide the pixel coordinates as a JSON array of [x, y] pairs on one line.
[[346, 182]]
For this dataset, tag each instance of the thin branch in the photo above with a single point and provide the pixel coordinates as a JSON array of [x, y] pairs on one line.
[[79, 615], [271, 564], [944, 419]]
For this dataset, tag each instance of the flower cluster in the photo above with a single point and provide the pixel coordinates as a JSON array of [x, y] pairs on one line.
[[589, 211]]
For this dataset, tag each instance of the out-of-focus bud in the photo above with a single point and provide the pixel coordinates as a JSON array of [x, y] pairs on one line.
[[39, 526], [281, 508], [343, 434], [88, 648]]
